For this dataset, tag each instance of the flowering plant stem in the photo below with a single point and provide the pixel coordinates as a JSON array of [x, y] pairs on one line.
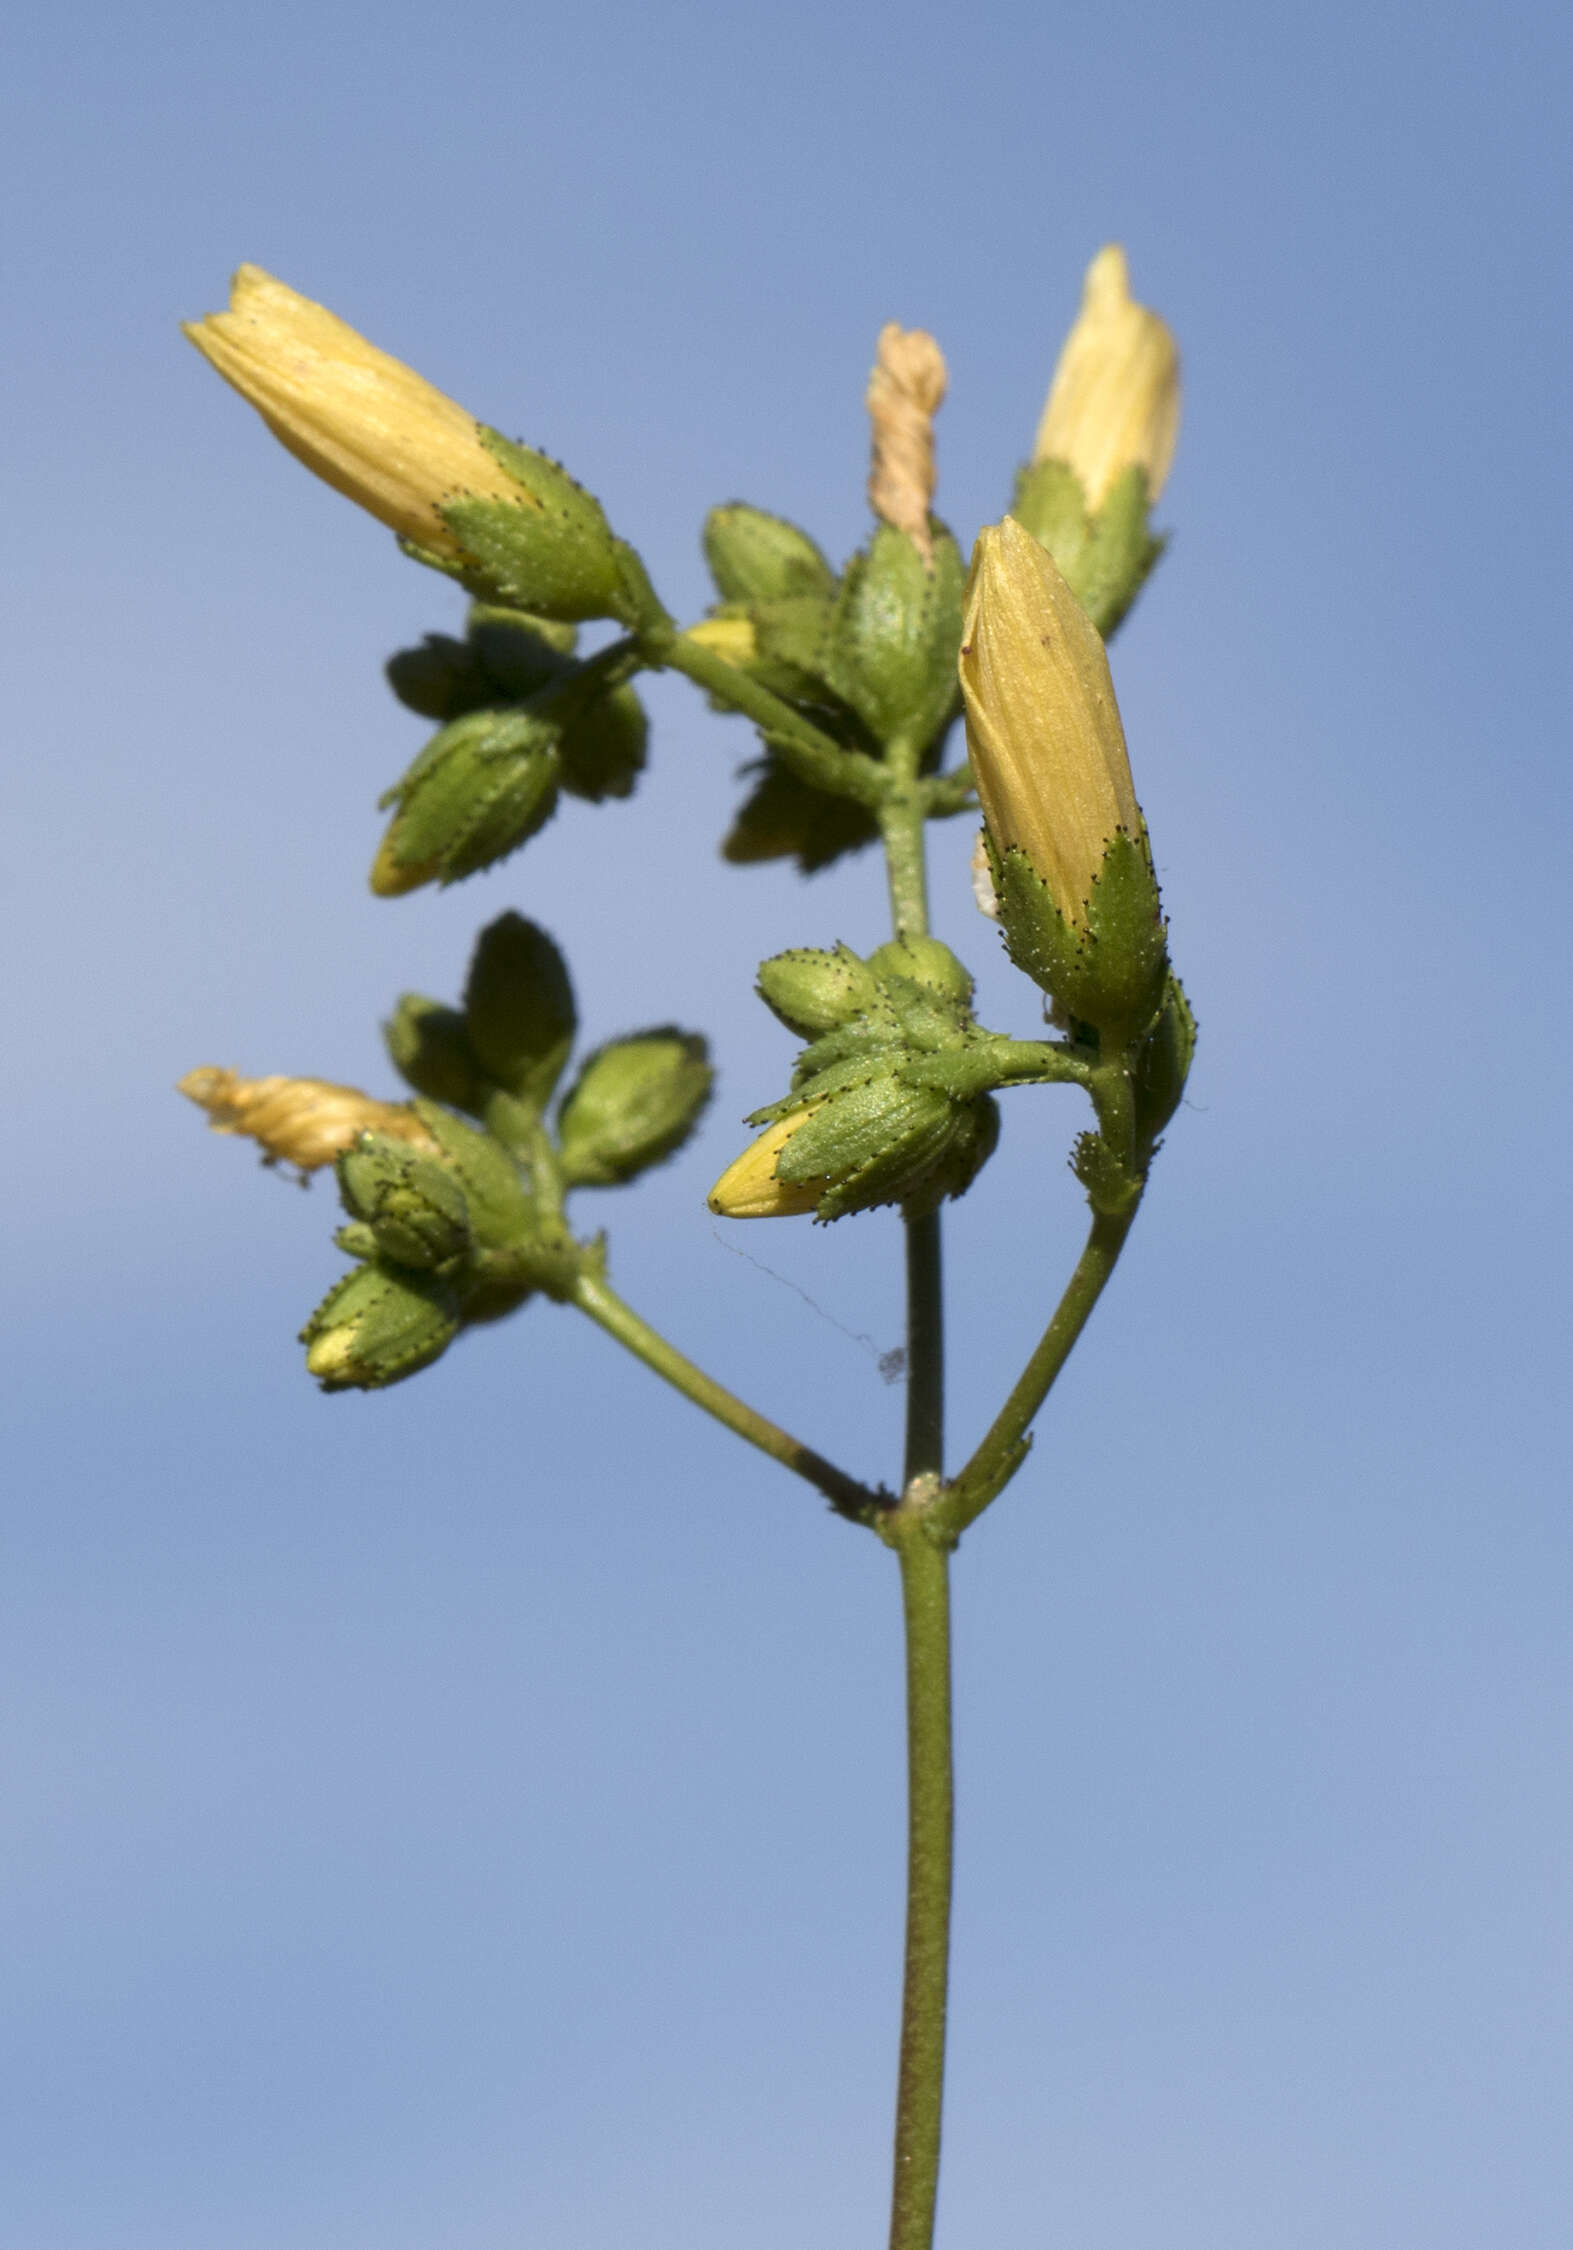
[[594, 1295]]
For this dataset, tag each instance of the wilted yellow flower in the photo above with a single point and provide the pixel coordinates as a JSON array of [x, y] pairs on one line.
[[1115, 399], [749, 1188], [1043, 728], [363, 422], [302, 1121]]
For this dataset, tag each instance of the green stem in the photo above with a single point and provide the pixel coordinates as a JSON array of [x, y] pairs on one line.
[[901, 827], [925, 1596], [813, 756], [925, 1599], [925, 1349], [595, 1296], [1003, 1448]]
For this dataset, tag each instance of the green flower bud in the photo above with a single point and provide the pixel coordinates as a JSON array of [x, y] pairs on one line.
[[783, 818], [877, 1140], [927, 961], [603, 747], [813, 992], [1163, 1063], [376, 1326], [550, 549], [519, 1009], [413, 1204], [431, 1051], [439, 677], [516, 651], [891, 650], [634, 1103], [757, 558], [500, 1210], [476, 792]]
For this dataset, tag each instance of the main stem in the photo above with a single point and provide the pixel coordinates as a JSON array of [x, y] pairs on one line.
[[925, 1601], [925, 1597]]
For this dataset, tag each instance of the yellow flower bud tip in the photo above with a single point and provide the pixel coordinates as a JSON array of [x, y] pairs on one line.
[[329, 1354], [302, 1121], [1048, 750], [1114, 403], [749, 1188], [731, 637], [362, 421]]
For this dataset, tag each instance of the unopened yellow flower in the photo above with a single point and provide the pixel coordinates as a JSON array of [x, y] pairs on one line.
[[1115, 400], [1048, 750], [301, 1121], [362, 421], [749, 1188], [731, 637]]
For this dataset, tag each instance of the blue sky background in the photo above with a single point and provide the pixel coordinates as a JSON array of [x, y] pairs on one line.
[[472, 1816]]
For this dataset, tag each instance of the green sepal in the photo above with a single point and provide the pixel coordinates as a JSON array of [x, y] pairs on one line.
[[377, 1325], [894, 636], [754, 557], [813, 992], [1105, 558], [1109, 973], [551, 551], [1112, 1189], [633, 1105], [783, 818], [879, 1141], [519, 1017], [1162, 1064], [412, 1203], [431, 1051], [501, 1212], [478, 790], [603, 749]]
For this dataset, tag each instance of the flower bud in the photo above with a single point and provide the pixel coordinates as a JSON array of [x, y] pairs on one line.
[[481, 786], [1078, 902], [431, 1051], [301, 1121], [758, 558], [873, 1139], [633, 1104], [375, 1327], [1043, 728], [926, 961], [602, 748], [813, 992], [1115, 400], [362, 421], [891, 645], [519, 1009], [413, 1204], [501, 1213]]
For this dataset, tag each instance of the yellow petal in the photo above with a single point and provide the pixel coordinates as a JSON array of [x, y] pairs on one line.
[[1043, 728], [1115, 399], [749, 1188], [359, 419]]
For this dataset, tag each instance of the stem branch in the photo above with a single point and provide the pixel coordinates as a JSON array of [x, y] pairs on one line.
[[595, 1296], [1002, 1449]]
